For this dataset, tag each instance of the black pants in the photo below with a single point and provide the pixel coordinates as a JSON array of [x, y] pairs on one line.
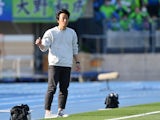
[[61, 75]]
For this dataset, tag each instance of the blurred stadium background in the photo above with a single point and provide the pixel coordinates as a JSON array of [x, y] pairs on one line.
[[114, 35]]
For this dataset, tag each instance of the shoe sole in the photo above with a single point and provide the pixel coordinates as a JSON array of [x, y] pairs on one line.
[[65, 115], [53, 116]]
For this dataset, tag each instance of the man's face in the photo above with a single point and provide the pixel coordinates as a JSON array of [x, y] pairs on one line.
[[63, 20]]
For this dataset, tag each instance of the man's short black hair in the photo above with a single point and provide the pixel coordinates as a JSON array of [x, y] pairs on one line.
[[62, 11]]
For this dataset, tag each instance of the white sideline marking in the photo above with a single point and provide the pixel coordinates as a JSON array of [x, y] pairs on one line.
[[7, 111], [4, 111], [133, 116]]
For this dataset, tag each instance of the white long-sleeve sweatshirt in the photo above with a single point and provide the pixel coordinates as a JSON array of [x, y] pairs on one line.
[[62, 45]]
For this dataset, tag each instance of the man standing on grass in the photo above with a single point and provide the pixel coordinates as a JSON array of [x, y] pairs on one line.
[[61, 41]]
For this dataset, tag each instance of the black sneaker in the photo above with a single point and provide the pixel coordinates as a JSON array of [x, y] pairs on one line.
[[61, 114]]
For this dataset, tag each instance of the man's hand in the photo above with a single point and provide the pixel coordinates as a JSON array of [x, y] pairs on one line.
[[78, 67], [38, 41]]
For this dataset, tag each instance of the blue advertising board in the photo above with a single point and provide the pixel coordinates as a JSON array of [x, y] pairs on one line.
[[5, 10], [39, 10]]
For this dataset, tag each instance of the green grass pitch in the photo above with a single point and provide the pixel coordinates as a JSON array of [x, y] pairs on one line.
[[138, 112]]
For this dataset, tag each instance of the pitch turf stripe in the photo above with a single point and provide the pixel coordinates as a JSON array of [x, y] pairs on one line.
[[133, 116]]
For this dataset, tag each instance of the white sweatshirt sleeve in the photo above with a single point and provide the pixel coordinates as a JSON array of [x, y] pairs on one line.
[[75, 43], [46, 41]]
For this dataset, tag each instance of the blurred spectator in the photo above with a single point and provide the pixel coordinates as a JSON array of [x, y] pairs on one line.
[[138, 17], [125, 23], [147, 18], [135, 4], [126, 3], [96, 6], [109, 12], [121, 9], [153, 7], [115, 25], [126, 14], [122, 22], [108, 9]]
